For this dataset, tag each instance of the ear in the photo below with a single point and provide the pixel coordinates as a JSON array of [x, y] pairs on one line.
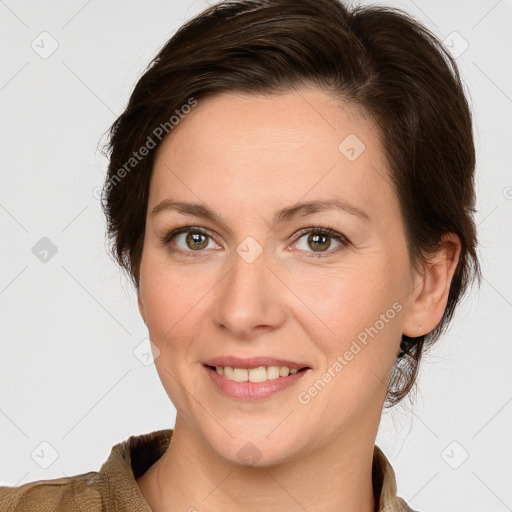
[[431, 288]]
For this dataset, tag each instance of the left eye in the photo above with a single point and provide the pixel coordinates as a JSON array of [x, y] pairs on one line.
[[320, 240]]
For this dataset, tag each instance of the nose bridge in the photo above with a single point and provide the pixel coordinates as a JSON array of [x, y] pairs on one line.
[[249, 296]]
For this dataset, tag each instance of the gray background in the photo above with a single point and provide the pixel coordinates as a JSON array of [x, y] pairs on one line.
[[72, 371]]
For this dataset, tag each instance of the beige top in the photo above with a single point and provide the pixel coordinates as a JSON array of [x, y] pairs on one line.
[[114, 488]]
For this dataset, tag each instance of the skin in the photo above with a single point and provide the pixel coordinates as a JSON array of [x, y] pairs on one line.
[[246, 156]]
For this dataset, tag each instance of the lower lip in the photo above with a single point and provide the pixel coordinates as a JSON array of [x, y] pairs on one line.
[[253, 390]]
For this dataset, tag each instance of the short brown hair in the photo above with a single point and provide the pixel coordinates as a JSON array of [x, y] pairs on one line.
[[376, 58]]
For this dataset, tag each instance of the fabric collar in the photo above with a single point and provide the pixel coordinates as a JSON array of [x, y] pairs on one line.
[[131, 458]]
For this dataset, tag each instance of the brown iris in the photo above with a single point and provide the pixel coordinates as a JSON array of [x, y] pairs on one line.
[[320, 242], [194, 242]]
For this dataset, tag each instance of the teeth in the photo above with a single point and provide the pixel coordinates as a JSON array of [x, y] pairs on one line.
[[240, 374], [272, 372], [259, 374]]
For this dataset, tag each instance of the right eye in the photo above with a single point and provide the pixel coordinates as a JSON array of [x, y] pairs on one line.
[[189, 240]]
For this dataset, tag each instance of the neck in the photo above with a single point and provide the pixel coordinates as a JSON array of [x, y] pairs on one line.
[[190, 477]]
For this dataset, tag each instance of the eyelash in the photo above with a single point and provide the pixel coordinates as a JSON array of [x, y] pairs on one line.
[[316, 230]]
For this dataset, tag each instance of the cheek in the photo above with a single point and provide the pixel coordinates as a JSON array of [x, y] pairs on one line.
[[357, 327], [172, 300], [172, 296], [348, 300]]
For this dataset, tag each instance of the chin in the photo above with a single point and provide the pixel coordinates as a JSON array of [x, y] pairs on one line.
[[258, 450]]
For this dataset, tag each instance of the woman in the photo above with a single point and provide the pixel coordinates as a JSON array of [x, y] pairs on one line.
[[290, 189]]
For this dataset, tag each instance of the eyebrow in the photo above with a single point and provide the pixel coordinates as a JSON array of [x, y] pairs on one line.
[[301, 209]]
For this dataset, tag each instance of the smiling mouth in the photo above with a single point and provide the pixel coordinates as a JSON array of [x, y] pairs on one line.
[[257, 374]]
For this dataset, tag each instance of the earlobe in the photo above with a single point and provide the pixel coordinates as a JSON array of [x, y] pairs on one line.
[[432, 287]]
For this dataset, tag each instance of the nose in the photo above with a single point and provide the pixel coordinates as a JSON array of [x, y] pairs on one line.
[[250, 299]]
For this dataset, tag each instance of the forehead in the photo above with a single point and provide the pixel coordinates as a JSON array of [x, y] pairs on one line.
[[247, 151]]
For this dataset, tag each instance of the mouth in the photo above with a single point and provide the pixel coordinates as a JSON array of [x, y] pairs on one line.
[[255, 378], [256, 374]]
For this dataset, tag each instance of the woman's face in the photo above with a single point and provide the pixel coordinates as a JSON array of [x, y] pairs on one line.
[[260, 283]]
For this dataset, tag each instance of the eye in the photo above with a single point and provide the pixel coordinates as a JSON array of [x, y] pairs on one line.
[[192, 240], [319, 240], [189, 240]]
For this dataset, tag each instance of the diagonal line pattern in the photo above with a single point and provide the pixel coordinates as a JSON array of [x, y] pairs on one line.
[[412, 497], [298, 92], [502, 296], [13, 218], [21, 479], [488, 215], [96, 300], [74, 218], [13, 76], [76, 14], [14, 423], [280, 423], [425, 425], [286, 490], [494, 416], [87, 87], [424, 13], [13, 13], [490, 490], [377, 377], [492, 81], [486, 14], [217, 486], [13, 279], [97, 402]]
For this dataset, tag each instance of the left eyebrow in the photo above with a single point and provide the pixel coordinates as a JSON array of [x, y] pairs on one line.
[[302, 209], [307, 208]]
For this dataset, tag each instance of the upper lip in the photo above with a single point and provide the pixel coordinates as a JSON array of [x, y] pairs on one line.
[[253, 362]]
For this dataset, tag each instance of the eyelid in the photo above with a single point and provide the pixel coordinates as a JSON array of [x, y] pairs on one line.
[[313, 229], [327, 231], [171, 233], [324, 230]]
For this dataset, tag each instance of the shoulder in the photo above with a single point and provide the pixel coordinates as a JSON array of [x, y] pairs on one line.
[[114, 487], [78, 493]]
